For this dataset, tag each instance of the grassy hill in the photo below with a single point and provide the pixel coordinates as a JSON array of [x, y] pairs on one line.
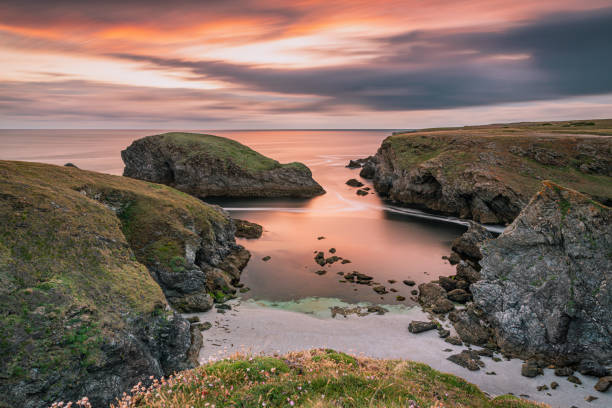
[[316, 378]]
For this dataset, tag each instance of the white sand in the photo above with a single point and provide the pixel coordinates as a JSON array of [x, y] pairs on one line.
[[258, 328]]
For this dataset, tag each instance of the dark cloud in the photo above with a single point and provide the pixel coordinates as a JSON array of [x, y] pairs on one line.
[[568, 55]]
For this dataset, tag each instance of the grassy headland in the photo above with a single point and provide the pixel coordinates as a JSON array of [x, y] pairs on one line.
[[316, 378]]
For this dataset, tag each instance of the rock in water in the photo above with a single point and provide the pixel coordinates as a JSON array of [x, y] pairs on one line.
[[547, 280], [489, 173], [206, 165], [81, 313], [247, 229], [354, 183]]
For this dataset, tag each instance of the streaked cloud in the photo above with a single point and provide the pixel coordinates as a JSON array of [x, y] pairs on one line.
[[230, 63]]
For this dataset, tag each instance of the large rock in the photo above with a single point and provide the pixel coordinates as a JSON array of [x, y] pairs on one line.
[[547, 280], [489, 173], [206, 165], [81, 314], [468, 244], [247, 229]]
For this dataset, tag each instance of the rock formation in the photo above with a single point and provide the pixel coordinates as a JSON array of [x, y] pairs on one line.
[[489, 173], [206, 165], [546, 283], [81, 313]]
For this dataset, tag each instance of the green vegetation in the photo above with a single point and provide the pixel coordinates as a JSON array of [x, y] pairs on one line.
[[195, 144], [72, 248], [316, 378], [518, 154]]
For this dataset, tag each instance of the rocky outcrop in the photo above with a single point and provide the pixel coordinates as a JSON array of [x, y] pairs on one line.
[[546, 284], [196, 260], [81, 313], [206, 165], [489, 173], [247, 229]]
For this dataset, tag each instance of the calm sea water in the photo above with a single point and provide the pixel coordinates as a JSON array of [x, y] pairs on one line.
[[384, 241]]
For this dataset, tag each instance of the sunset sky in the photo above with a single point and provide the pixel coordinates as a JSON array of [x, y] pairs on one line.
[[233, 64]]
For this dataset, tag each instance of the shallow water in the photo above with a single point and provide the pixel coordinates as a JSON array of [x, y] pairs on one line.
[[383, 241]]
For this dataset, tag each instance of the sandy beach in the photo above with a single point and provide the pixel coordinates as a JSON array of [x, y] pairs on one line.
[[261, 327]]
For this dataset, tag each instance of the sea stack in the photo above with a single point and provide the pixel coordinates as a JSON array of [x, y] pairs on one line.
[[213, 166]]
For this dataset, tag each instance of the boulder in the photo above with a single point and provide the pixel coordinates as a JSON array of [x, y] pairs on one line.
[[468, 359], [470, 326], [247, 229], [467, 246], [442, 305], [603, 384], [447, 283], [429, 293], [416, 326], [467, 273], [354, 183], [459, 296]]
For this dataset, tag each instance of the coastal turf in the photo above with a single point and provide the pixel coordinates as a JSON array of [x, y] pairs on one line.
[[521, 154], [315, 378], [73, 250], [224, 149]]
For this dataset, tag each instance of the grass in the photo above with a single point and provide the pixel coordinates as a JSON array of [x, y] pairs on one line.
[[74, 246], [195, 144], [506, 151], [315, 378]]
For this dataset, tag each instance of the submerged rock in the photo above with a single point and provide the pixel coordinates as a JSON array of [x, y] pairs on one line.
[[546, 280], [212, 166]]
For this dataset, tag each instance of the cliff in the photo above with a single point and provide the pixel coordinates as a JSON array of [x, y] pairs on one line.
[[81, 313], [489, 173], [206, 165], [546, 282]]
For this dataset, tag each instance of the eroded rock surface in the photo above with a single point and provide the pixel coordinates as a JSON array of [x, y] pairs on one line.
[[80, 315], [546, 282], [489, 173]]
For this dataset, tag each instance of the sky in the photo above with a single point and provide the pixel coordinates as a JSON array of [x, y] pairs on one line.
[[272, 64]]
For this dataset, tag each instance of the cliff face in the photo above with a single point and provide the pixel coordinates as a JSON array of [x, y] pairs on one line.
[[489, 173], [80, 311], [206, 165], [547, 280]]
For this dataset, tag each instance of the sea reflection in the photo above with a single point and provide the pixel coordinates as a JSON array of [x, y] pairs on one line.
[[383, 241]]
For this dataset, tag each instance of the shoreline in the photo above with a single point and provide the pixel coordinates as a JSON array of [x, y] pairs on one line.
[[256, 327]]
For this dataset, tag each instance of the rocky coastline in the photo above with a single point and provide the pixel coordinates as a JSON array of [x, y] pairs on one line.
[[539, 292], [489, 173], [93, 268]]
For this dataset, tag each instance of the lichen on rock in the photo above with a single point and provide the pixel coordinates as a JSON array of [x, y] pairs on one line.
[[546, 282]]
